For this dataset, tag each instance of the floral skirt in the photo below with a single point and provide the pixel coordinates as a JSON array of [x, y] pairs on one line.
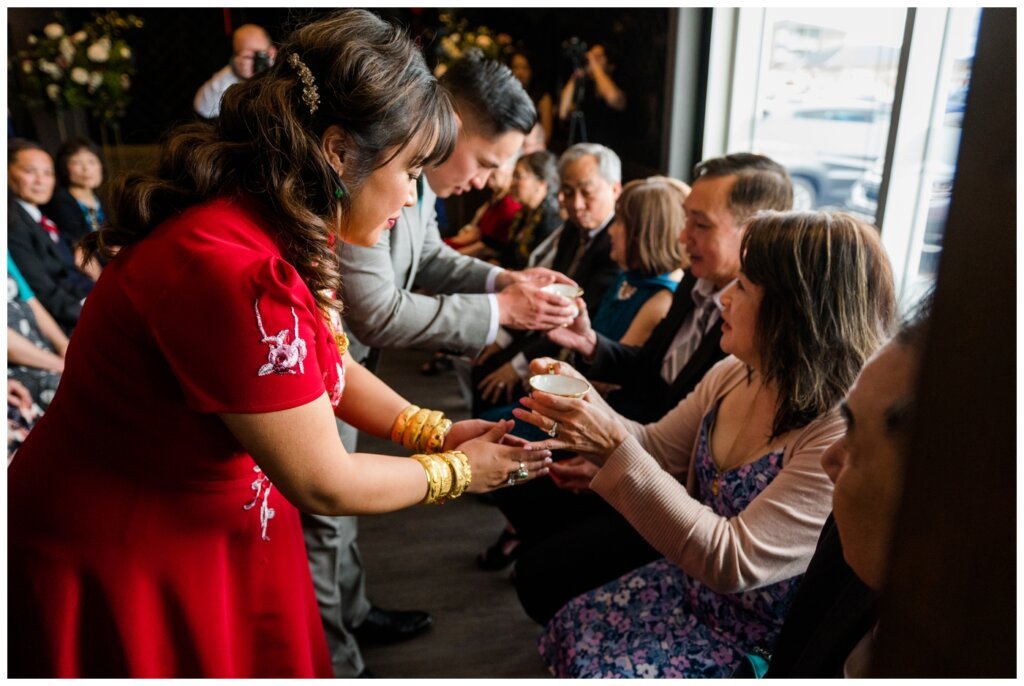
[[657, 621]]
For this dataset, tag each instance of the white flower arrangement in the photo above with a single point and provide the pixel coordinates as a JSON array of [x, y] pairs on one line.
[[455, 37], [90, 68]]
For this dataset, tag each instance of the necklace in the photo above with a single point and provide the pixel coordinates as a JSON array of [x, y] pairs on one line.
[[626, 290], [720, 471]]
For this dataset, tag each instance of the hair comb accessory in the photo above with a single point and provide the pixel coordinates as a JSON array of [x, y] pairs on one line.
[[310, 94]]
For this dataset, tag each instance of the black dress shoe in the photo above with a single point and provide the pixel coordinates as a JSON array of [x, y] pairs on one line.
[[392, 626], [366, 674]]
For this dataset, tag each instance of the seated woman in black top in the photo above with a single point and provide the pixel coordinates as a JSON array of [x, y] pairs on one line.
[[534, 185], [76, 207]]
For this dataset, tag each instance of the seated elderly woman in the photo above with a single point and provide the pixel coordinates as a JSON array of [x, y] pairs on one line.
[[534, 186], [645, 245], [728, 485], [75, 206]]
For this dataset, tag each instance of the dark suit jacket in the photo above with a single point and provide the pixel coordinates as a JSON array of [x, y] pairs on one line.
[[63, 209], [44, 265], [644, 396], [596, 270], [595, 273], [832, 611]]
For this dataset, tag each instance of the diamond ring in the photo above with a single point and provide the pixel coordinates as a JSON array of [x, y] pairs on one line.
[[523, 472], [553, 431]]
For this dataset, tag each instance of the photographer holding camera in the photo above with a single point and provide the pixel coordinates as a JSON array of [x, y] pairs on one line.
[[251, 53], [591, 101]]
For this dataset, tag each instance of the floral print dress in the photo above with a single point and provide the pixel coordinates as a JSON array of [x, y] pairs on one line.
[[658, 621]]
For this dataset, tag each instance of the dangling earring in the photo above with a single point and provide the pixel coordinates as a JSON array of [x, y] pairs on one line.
[[339, 189]]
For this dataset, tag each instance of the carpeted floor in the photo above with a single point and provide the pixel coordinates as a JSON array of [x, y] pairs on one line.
[[423, 558]]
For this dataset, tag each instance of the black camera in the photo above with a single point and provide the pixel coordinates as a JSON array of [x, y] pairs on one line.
[[575, 51], [261, 62]]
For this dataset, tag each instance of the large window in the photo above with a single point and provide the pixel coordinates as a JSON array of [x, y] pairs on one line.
[[821, 90], [824, 96]]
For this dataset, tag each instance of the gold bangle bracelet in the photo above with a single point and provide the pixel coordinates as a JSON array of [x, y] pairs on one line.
[[433, 478], [459, 465], [413, 428], [433, 441], [400, 422], [421, 440], [447, 479]]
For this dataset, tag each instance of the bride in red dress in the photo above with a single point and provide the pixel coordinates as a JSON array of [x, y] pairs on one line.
[[153, 512]]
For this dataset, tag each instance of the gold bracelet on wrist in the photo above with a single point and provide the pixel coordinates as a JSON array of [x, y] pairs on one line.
[[461, 471], [400, 422], [438, 433], [413, 428], [444, 482], [433, 478], [422, 439]]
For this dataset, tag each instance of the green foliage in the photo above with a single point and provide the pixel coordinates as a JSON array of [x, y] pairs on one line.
[[90, 69]]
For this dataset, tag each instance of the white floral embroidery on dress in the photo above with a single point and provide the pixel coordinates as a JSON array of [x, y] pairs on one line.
[[283, 356], [262, 487]]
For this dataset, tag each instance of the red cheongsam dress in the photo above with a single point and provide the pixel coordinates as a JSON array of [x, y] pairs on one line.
[[143, 541]]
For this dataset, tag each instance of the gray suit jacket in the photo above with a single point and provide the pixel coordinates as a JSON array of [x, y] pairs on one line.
[[381, 311]]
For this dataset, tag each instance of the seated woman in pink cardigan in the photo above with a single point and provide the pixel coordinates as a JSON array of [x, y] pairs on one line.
[[728, 485]]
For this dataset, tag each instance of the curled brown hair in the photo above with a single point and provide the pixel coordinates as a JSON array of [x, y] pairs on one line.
[[828, 304], [651, 211], [372, 82]]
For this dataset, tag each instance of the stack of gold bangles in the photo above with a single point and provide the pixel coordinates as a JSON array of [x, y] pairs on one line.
[[448, 475], [424, 431], [421, 429]]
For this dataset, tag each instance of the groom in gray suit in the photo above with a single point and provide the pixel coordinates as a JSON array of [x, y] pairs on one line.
[[469, 299]]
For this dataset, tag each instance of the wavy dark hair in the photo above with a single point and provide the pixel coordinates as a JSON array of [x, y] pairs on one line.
[[372, 82], [828, 304]]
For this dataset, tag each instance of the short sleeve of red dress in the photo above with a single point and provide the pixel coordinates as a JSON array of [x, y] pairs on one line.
[[242, 333]]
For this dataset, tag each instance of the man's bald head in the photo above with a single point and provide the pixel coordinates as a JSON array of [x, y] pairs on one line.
[[246, 42]]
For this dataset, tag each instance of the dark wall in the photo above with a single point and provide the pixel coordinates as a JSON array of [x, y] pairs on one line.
[[178, 49]]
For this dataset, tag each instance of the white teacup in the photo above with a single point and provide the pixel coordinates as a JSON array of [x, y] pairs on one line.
[[557, 384], [566, 291]]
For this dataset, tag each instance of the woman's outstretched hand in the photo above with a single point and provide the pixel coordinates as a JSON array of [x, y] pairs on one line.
[[496, 464], [468, 429], [591, 429], [573, 474]]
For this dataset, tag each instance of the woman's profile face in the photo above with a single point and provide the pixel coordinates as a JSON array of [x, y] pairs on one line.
[[618, 235], [741, 302], [377, 203], [526, 186], [85, 170], [520, 67]]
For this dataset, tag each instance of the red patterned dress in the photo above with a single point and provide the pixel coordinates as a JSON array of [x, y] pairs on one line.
[[143, 539]]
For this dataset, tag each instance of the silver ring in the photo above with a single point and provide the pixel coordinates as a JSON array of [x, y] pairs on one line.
[[523, 472], [553, 431], [500, 384], [511, 479]]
